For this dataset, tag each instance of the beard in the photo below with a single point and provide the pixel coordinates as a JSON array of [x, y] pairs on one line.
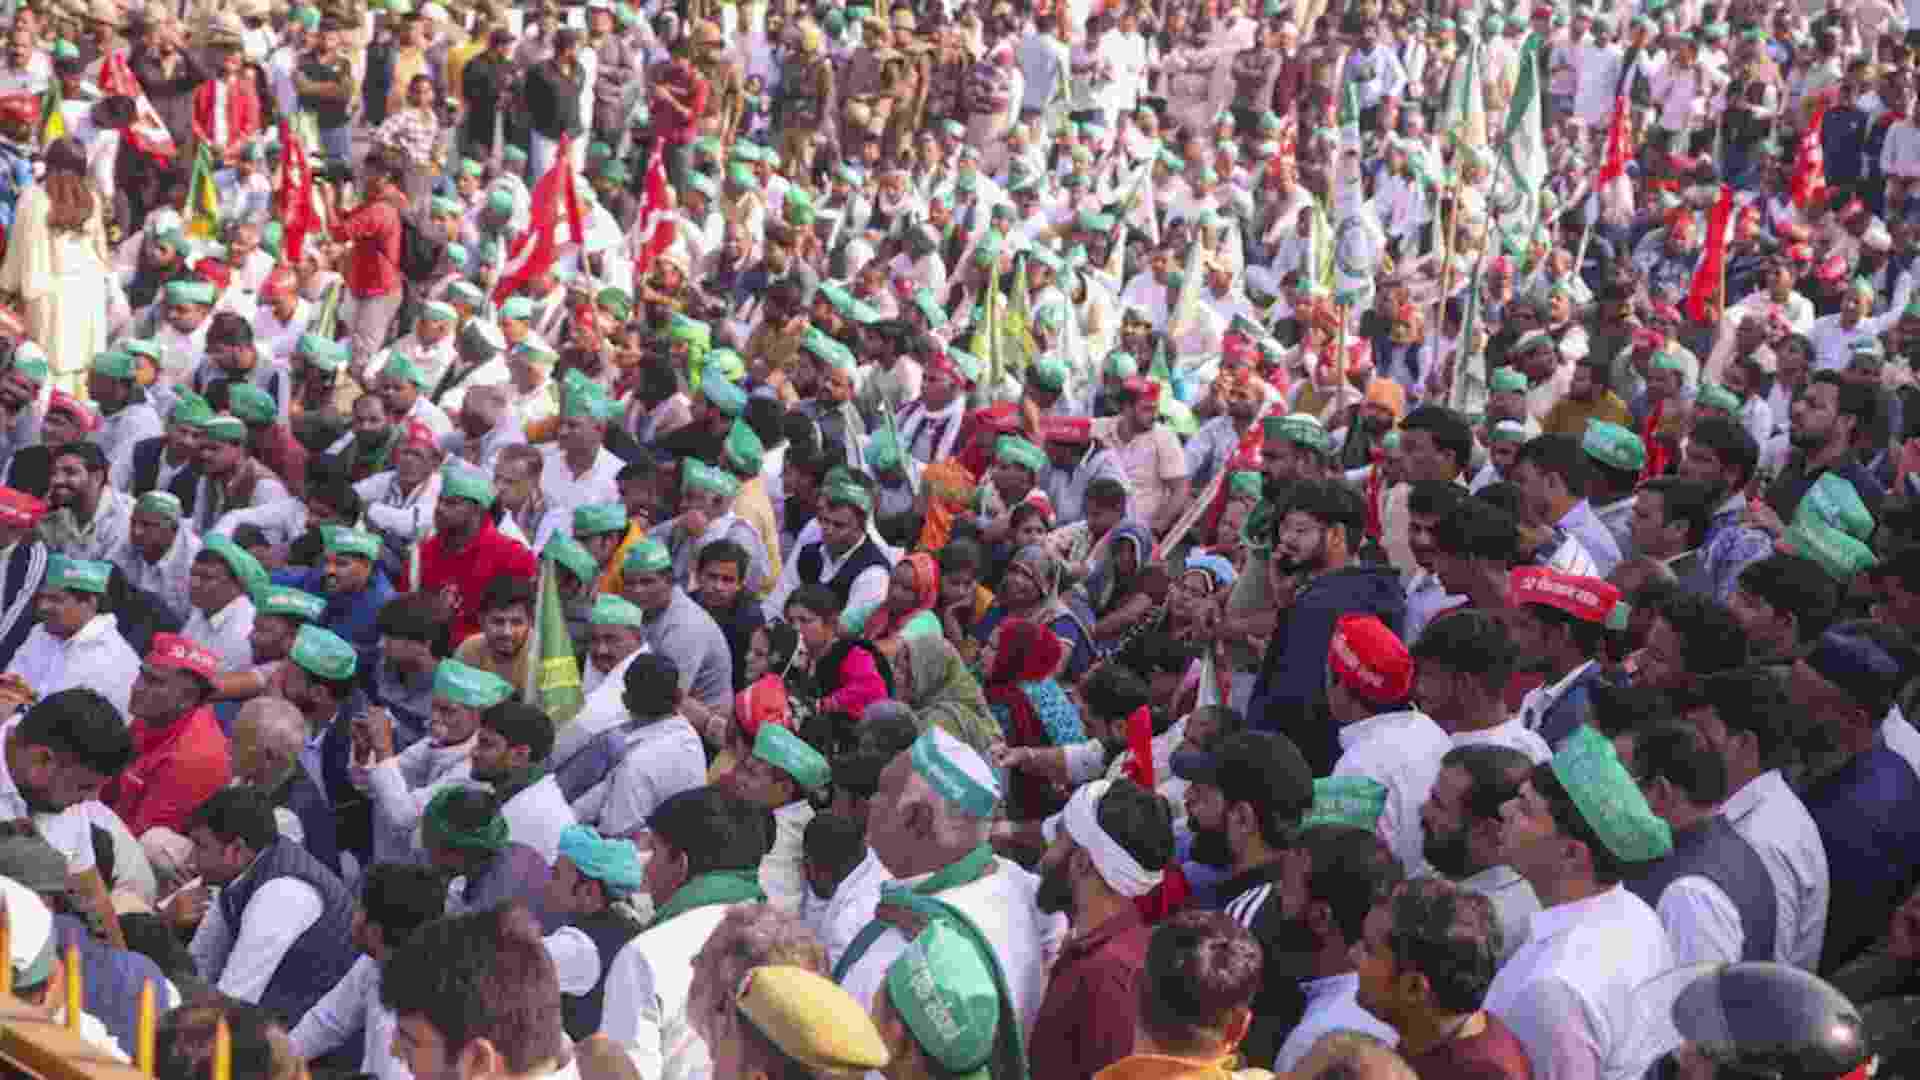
[[1055, 895], [1447, 853], [37, 801], [1210, 848]]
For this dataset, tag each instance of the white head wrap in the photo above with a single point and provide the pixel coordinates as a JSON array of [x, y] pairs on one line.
[[1081, 818]]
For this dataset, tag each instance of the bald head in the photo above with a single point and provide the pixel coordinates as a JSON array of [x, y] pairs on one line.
[[267, 737]]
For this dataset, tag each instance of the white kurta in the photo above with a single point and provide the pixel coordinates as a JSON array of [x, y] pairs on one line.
[[838, 919], [1401, 750], [1568, 993], [781, 875], [228, 632], [351, 1006], [1768, 815], [246, 957], [63, 278], [536, 816], [96, 657]]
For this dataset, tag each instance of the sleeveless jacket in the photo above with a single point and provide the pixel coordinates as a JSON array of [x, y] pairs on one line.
[[146, 472], [609, 933], [319, 958], [813, 560], [1713, 850]]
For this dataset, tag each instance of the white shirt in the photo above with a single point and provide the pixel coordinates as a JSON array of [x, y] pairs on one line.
[[1768, 815], [565, 492], [275, 917], [96, 657], [838, 919], [1901, 736], [1514, 904], [1332, 1005], [1513, 734], [1401, 750], [353, 1005], [1568, 993], [869, 587], [1702, 922], [537, 815], [67, 831], [781, 875], [228, 632]]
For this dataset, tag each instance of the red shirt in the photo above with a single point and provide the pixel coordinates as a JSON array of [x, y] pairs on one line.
[[1494, 1054], [1086, 1020], [462, 575], [243, 112], [175, 768], [373, 266], [690, 87]]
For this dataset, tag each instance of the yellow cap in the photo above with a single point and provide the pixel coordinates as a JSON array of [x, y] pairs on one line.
[[810, 1019]]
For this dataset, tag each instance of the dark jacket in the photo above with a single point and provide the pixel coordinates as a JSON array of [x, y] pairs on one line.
[[1290, 694], [553, 100]]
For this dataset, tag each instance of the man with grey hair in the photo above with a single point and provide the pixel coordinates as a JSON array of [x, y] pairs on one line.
[[928, 824], [483, 426], [268, 735]]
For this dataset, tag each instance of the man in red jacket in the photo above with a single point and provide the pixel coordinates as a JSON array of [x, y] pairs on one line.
[[467, 552], [180, 754], [226, 108]]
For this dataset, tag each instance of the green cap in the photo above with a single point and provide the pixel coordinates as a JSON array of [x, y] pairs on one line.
[[1014, 450], [324, 654], [469, 687], [78, 575], [1122, 365], [246, 569], [324, 353], [517, 308], [956, 772], [164, 503], [1667, 360], [226, 429], [1833, 501], [343, 541], [649, 556], [469, 484], [588, 400], [438, 829], [929, 307], [252, 404], [288, 602], [1840, 555], [1715, 396], [1608, 799], [1246, 484], [438, 311], [723, 394], [1506, 380], [1354, 801], [615, 300], [743, 452], [882, 452], [697, 475], [114, 365], [400, 367], [1299, 429], [848, 494], [566, 551], [189, 409], [1049, 374], [831, 352], [1613, 446], [1512, 431], [787, 752], [597, 519], [191, 292], [610, 610]]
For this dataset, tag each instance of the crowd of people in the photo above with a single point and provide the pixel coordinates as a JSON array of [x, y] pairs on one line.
[[1046, 539]]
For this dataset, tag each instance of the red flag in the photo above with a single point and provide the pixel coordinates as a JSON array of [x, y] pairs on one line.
[[148, 133], [1709, 273], [654, 227], [1810, 165], [1139, 767], [536, 250], [294, 201], [1618, 150]]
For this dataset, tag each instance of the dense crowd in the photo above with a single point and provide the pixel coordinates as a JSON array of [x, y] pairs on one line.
[[1058, 538]]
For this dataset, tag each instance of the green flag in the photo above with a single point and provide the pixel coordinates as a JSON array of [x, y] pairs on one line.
[[553, 678], [1468, 394], [1523, 147], [329, 314], [1464, 118], [982, 344], [203, 200], [1016, 320]]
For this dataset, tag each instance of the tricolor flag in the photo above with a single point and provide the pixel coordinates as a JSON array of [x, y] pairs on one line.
[[203, 199]]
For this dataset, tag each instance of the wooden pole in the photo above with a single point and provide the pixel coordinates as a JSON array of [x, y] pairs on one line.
[[143, 1038], [6, 950], [75, 981]]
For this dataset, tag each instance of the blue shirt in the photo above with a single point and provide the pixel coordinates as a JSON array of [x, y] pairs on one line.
[[1593, 534], [354, 616], [1868, 814]]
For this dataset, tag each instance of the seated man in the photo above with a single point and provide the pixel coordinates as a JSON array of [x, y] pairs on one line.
[[77, 641], [402, 781]]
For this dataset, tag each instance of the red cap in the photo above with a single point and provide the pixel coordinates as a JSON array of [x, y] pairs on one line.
[[213, 270], [61, 401], [1139, 386], [1543, 12], [1039, 501], [22, 109], [1665, 312], [1585, 598], [1800, 253], [419, 436], [1066, 429], [1646, 337], [1833, 269], [281, 282], [175, 651], [17, 508], [1370, 659], [1003, 417]]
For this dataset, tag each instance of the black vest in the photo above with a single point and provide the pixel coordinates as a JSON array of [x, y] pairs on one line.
[[813, 559], [320, 957], [146, 472], [609, 932], [1713, 850], [20, 579]]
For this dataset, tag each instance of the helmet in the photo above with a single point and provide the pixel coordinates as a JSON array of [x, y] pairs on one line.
[[1758, 1021]]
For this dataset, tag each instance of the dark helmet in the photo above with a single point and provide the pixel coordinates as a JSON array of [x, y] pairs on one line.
[[1765, 1021]]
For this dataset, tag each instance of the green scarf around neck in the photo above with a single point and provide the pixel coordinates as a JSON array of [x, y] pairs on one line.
[[714, 887]]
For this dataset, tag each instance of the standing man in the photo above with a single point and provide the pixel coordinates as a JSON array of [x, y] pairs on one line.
[[373, 279], [1149, 453]]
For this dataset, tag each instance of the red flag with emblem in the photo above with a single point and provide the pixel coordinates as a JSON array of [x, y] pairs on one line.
[[294, 200], [653, 229], [1810, 165], [556, 202], [148, 133], [1619, 150], [1710, 273]]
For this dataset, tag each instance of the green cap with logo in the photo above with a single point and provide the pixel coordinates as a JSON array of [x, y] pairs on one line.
[[324, 654], [789, 753], [1014, 450], [598, 519], [246, 569], [697, 475], [1608, 799], [226, 429], [1613, 446], [610, 610], [649, 556], [1354, 801], [162, 503], [743, 452], [469, 484], [344, 541], [1506, 380], [114, 365], [252, 404], [469, 687], [287, 602], [78, 575]]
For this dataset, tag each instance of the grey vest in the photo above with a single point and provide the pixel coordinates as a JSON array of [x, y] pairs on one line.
[[320, 957], [1714, 851]]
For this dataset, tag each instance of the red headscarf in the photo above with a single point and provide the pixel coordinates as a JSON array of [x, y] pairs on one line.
[[884, 622], [1025, 651]]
